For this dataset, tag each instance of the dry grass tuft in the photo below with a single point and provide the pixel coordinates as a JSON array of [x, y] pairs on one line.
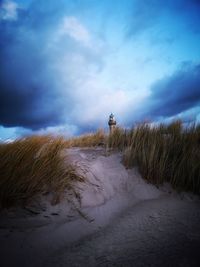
[[88, 140], [163, 153], [34, 165]]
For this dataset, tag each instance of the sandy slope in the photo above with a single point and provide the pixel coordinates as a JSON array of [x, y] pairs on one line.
[[122, 221]]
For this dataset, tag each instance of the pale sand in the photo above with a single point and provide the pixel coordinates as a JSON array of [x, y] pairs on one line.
[[120, 221]]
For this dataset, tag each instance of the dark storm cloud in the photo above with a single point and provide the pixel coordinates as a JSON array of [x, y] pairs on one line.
[[44, 73], [27, 98], [32, 91], [37, 86], [175, 94], [46, 55]]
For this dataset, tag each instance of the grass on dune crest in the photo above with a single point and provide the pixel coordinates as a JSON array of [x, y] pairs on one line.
[[162, 153], [34, 165], [88, 140]]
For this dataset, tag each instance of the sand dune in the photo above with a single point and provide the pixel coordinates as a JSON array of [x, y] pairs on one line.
[[119, 220]]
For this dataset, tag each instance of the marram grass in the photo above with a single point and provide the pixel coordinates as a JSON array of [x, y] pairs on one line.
[[32, 166], [88, 140], [162, 153], [36, 165]]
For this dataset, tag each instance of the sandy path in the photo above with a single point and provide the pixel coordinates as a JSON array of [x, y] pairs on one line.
[[128, 223], [141, 236]]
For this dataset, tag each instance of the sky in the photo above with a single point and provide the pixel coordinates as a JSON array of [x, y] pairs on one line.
[[65, 65]]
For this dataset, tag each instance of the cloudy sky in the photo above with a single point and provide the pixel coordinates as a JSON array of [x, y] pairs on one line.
[[66, 64]]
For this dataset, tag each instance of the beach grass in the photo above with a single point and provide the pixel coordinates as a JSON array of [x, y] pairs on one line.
[[163, 153], [95, 139], [36, 165], [32, 166]]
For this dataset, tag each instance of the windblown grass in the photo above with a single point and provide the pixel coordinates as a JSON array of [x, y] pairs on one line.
[[34, 165], [88, 140], [163, 153]]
